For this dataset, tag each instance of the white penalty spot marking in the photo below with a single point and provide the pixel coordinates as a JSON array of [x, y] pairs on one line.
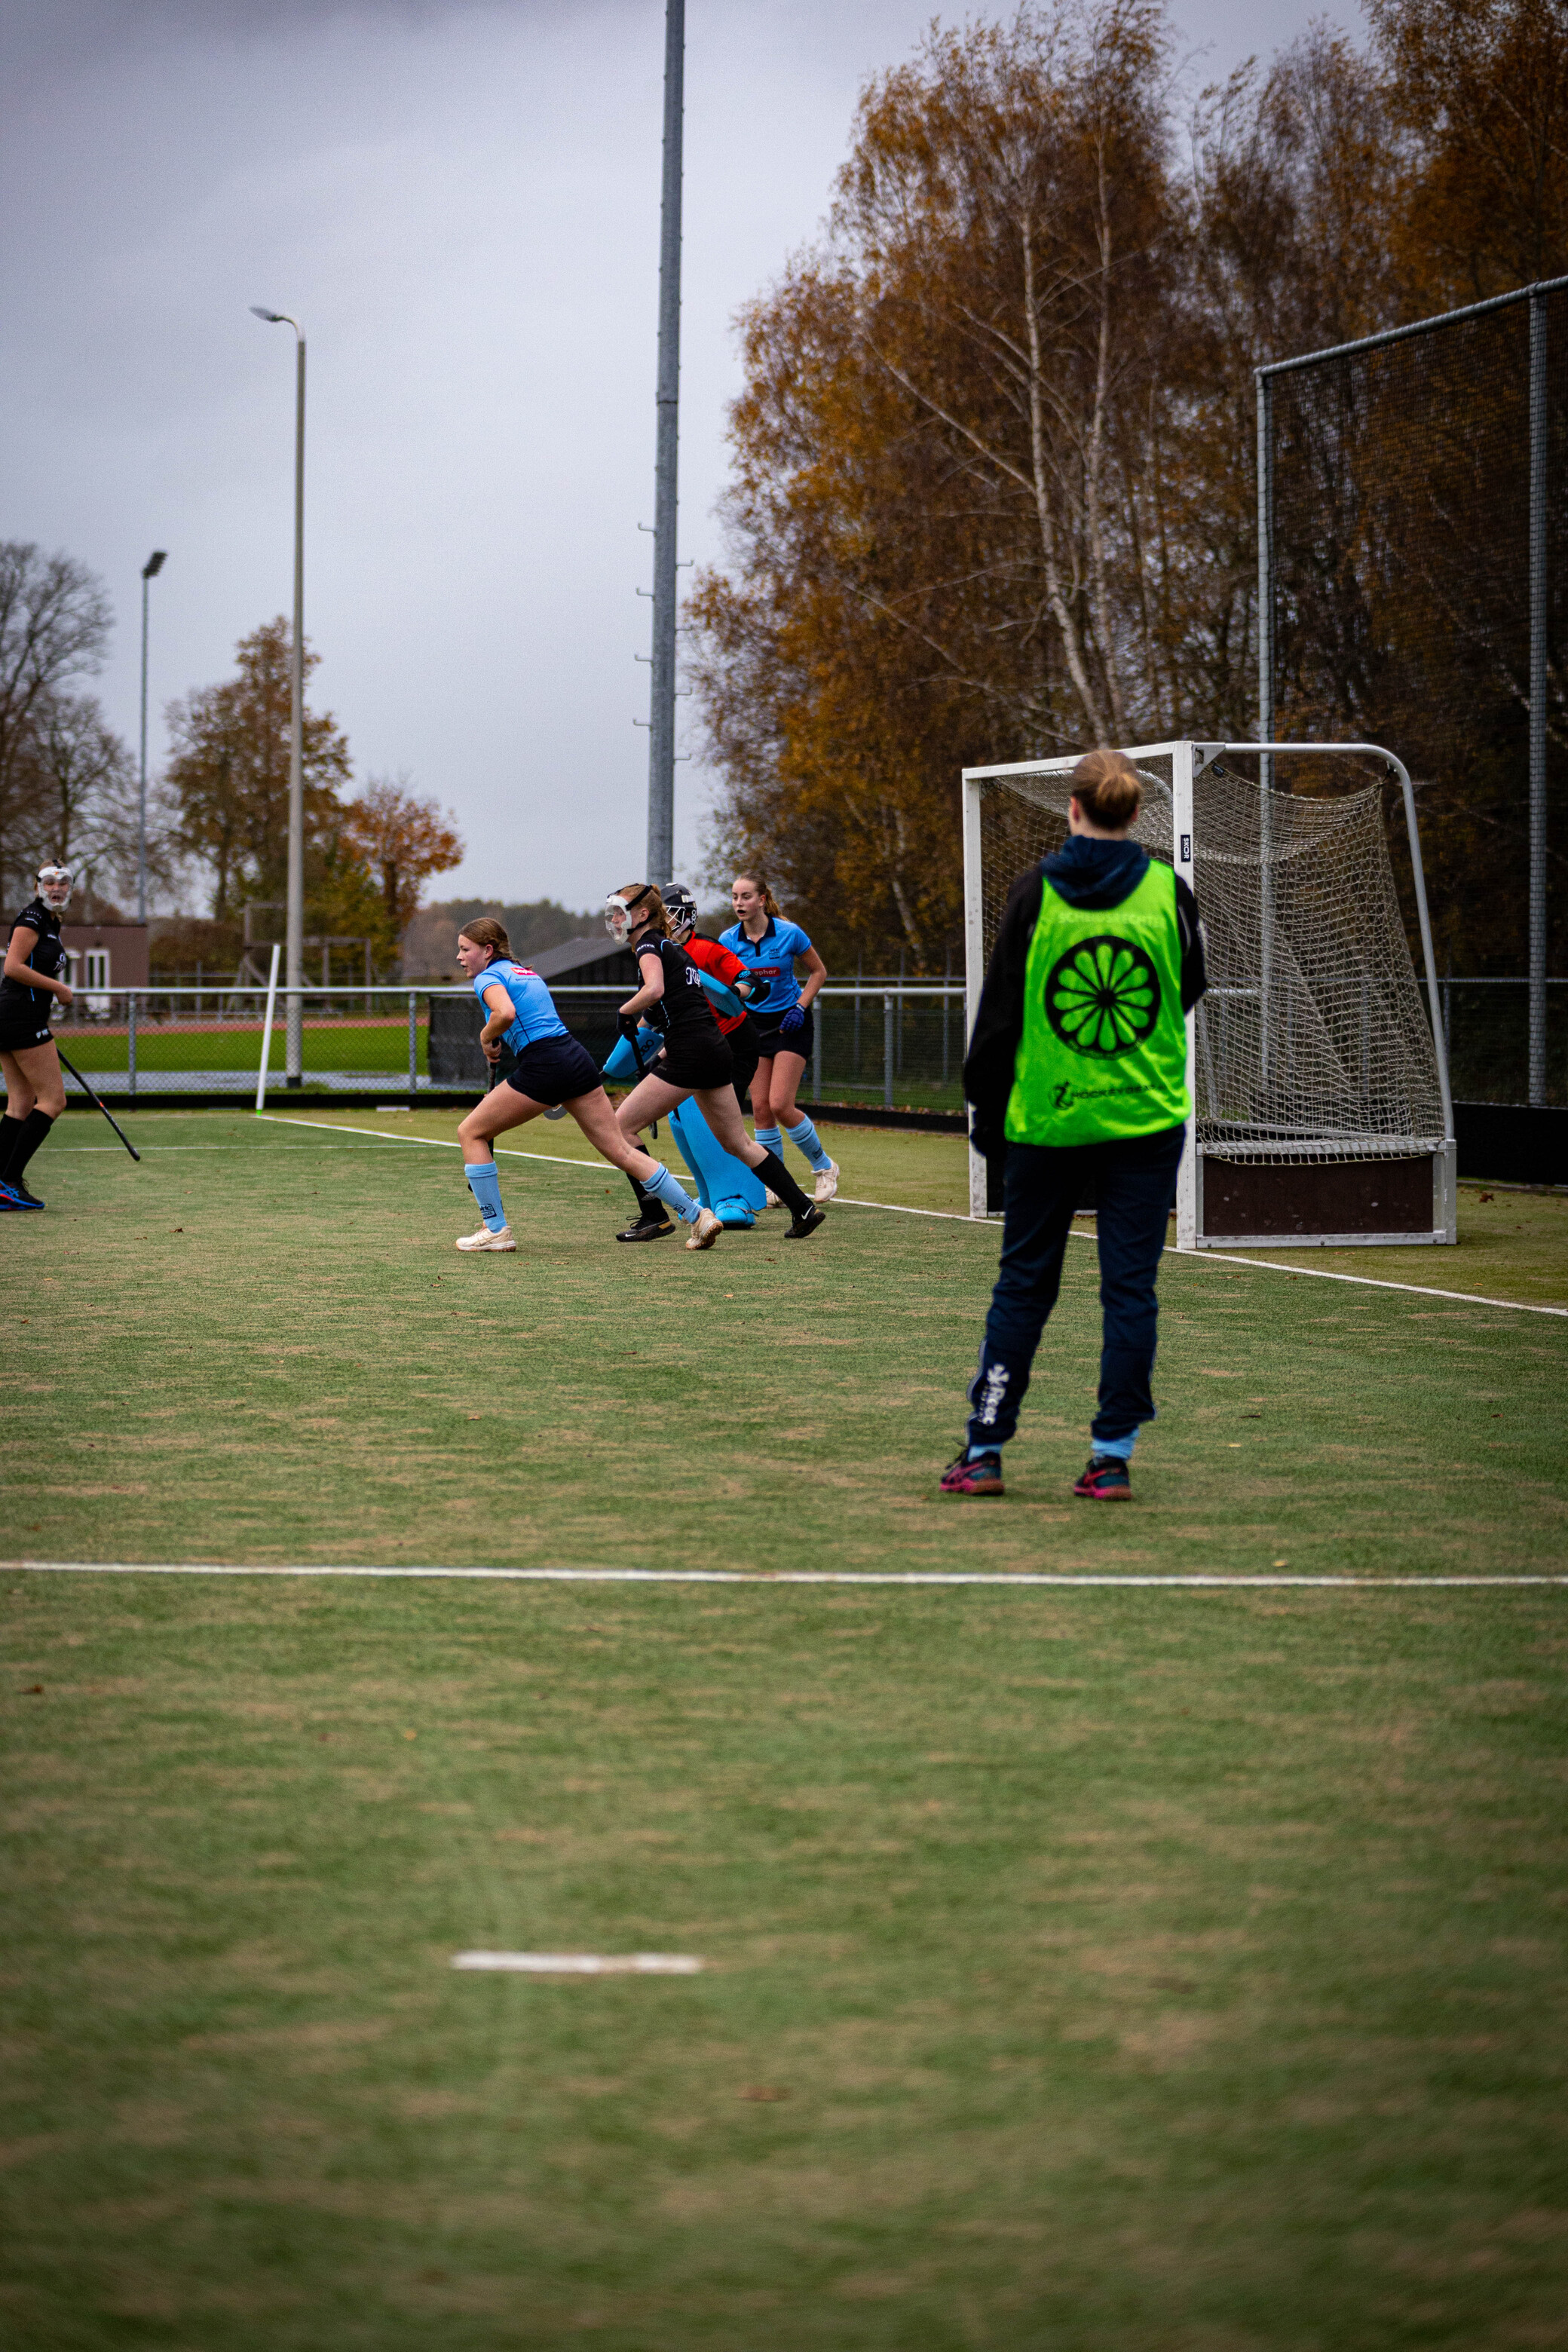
[[580, 1964]]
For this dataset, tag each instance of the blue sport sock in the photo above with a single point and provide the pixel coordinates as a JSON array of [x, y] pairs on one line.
[[1122, 1447], [484, 1183], [807, 1141], [663, 1186], [771, 1140], [978, 1452]]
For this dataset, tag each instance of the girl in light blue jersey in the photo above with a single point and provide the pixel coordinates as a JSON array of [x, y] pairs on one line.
[[551, 1069], [779, 1007]]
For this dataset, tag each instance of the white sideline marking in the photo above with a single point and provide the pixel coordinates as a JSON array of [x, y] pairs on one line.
[[952, 1217], [1213, 1580], [581, 1964]]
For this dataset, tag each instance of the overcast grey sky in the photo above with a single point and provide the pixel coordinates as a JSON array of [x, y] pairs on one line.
[[460, 202]]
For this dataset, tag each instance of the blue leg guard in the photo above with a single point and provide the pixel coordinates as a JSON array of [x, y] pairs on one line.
[[724, 1184]]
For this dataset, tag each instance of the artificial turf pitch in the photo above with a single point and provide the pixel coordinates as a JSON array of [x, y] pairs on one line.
[[1086, 1969]]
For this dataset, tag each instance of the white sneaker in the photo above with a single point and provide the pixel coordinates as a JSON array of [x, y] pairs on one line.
[[706, 1231], [485, 1240], [827, 1181], [770, 1200]]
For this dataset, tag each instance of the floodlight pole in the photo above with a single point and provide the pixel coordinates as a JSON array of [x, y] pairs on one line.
[[149, 570], [294, 925], [1538, 600], [661, 706]]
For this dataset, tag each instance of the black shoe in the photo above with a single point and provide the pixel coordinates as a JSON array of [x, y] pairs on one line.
[[651, 1226], [802, 1226], [1105, 1480], [14, 1194]]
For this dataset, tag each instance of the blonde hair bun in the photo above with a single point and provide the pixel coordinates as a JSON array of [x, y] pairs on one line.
[[1107, 788]]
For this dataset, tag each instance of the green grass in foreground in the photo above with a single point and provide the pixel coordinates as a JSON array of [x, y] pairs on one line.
[[1085, 1969], [261, 1345], [1166, 1971]]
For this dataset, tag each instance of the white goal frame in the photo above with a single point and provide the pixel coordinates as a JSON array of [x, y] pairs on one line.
[[1188, 759]]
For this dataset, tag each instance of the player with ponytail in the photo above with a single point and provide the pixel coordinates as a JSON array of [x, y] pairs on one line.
[[551, 1069], [770, 948], [695, 1058]]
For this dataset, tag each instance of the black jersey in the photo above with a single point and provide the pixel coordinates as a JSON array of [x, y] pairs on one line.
[[684, 1010], [48, 957]]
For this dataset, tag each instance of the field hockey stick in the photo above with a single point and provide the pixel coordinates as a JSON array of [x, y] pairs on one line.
[[92, 1098]]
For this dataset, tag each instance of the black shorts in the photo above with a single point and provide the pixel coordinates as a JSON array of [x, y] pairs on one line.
[[21, 1036], [697, 1058], [772, 1039], [554, 1070]]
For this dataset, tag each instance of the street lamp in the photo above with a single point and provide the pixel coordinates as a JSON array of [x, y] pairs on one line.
[[294, 952], [149, 570]]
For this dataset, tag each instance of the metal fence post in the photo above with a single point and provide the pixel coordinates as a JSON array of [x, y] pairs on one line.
[[1539, 598], [413, 1048], [821, 1012], [131, 1042], [887, 1050]]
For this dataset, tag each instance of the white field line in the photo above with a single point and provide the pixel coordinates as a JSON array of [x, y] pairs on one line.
[[996, 1582], [952, 1217], [581, 1964]]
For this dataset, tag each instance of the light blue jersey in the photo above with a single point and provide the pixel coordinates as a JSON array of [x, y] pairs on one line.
[[531, 1001], [770, 963]]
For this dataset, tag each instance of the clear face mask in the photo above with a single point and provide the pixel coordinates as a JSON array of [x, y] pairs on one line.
[[55, 887], [621, 917]]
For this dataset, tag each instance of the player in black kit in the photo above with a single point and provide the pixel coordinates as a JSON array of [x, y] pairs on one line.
[[35, 1090], [695, 1058]]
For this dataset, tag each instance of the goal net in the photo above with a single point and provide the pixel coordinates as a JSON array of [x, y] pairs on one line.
[[1312, 1045]]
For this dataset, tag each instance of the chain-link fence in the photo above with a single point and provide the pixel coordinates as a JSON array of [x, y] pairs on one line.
[[878, 1044], [1412, 511]]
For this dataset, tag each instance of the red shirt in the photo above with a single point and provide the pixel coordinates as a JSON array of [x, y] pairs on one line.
[[710, 956]]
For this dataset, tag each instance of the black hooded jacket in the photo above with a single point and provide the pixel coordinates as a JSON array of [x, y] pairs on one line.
[[1087, 872]]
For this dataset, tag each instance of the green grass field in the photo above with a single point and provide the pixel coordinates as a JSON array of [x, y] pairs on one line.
[[1163, 1970]]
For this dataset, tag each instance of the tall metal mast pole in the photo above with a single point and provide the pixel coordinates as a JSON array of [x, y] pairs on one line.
[[1539, 606], [662, 709], [149, 570]]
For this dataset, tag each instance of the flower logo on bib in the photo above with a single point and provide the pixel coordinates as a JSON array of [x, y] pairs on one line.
[[1102, 997]]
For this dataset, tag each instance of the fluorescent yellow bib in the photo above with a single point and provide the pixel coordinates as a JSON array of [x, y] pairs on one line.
[[1104, 1049]]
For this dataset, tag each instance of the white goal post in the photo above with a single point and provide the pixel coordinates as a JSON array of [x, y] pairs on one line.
[[1322, 1114]]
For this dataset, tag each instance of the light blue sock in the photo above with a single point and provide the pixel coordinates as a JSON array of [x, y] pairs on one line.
[[663, 1186], [1122, 1447], [808, 1144], [484, 1183], [976, 1452], [771, 1140]]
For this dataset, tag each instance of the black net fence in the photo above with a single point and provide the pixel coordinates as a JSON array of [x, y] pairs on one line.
[[1398, 484]]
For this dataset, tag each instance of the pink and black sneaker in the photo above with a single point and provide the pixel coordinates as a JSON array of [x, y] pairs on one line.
[[1106, 1479], [981, 1477]]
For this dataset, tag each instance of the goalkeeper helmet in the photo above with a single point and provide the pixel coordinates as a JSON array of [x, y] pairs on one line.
[[618, 916], [681, 908], [55, 883]]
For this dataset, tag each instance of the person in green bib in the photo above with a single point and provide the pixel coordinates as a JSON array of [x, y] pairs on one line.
[[1077, 1073]]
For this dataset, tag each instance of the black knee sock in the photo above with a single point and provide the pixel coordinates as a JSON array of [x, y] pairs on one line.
[[640, 1196], [10, 1130], [33, 1129], [777, 1179]]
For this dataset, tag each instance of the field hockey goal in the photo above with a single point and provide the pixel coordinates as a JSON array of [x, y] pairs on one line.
[[1318, 1080]]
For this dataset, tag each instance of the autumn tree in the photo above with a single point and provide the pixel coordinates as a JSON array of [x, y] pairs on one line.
[[1480, 90], [229, 780], [403, 841], [55, 622]]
